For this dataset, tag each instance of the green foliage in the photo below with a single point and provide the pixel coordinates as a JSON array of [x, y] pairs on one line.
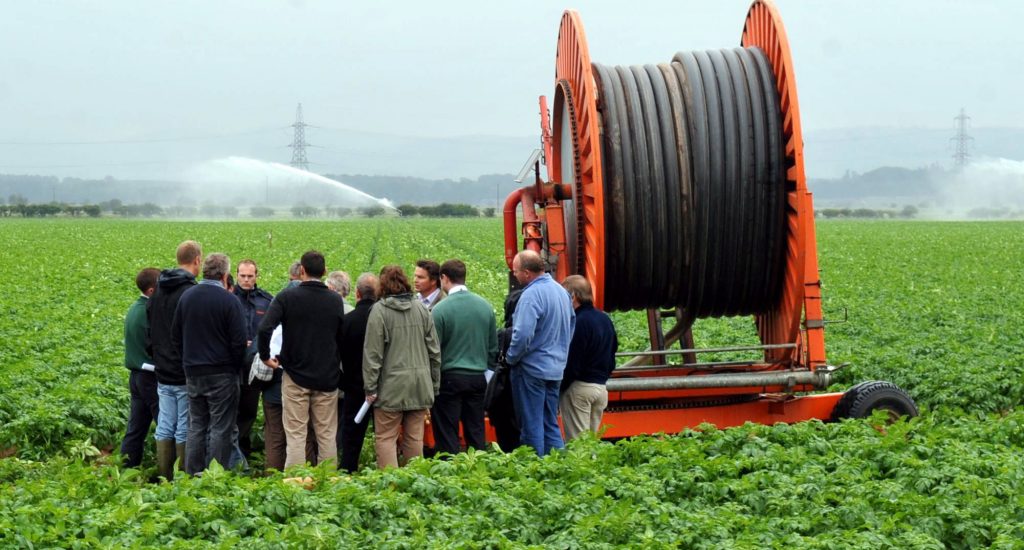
[[934, 307], [930, 483]]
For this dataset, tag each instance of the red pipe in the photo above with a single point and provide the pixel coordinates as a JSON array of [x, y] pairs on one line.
[[511, 238], [531, 223]]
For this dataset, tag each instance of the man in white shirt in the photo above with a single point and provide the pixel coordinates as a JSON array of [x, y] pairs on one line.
[[427, 282]]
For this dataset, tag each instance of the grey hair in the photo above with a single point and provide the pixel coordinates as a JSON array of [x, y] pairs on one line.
[[340, 282], [216, 266], [293, 270], [367, 286]]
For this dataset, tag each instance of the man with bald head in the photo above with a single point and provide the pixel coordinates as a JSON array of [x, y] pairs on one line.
[[542, 328]]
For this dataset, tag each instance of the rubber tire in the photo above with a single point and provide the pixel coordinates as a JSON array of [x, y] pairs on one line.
[[864, 398]]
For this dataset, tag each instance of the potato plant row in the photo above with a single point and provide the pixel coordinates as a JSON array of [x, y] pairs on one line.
[[936, 308]]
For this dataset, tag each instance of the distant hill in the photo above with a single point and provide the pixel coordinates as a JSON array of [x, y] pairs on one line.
[[830, 153], [879, 187]]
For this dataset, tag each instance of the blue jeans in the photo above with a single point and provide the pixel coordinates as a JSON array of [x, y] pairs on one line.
[[237, 459], [172, 422], [213, 408], [536, 402]]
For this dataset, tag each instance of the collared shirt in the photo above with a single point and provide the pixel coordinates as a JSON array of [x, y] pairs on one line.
[[427, 300], [212, 282], [457, 288], [542, 328]]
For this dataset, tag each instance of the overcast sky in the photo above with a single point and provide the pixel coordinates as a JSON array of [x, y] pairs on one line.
[[220, 71]]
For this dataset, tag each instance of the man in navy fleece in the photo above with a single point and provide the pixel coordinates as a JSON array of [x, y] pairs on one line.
[[209, 329]]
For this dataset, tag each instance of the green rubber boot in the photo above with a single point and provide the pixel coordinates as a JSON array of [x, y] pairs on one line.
[[180, 448], [165, 454]]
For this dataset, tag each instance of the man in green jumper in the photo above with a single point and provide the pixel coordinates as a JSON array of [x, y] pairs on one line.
[[145, 405], [467, 331]]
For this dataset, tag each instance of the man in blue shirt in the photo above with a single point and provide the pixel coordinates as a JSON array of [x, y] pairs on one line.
[[542, 328]]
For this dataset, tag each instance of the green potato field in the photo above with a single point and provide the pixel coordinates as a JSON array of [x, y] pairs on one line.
[[937, 308]]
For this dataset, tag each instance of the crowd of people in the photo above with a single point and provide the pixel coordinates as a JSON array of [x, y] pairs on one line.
[[203, 353]]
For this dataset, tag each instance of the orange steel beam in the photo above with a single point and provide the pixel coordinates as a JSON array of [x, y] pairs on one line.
[[814, 322], [766, 410], [545, 132], [554, 222]]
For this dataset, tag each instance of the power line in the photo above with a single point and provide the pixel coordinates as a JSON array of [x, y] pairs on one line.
[[143, 141], [810, 135], [100, 165]]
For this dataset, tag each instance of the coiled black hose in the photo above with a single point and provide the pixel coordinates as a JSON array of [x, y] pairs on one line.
[[694, 183]]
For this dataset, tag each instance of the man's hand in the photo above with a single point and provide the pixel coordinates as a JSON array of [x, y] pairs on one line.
[[272, 362], [371, 398]]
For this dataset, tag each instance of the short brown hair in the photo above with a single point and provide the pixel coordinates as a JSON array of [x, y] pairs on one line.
[[455, 270], [393, 281], [188, 251], [247, 261], [147, 278], [432, 268], [578, 286]]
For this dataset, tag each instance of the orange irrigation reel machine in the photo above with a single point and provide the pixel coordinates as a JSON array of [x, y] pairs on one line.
[[679, 189]]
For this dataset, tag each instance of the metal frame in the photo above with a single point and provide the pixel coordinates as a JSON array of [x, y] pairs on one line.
[[791, 333]]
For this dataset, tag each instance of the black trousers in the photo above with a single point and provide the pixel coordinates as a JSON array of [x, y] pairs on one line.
[[145, 408], [461, 399], [502, 415], [212, 409], [248, 405], [350, 434]]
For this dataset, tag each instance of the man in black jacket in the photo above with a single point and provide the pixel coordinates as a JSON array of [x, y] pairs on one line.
[[255, 303], [172, 420], [312, 315], [353, 333], [209, 331]]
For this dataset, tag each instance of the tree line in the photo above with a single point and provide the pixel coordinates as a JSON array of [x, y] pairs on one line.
[[22, 209], [908, 212]]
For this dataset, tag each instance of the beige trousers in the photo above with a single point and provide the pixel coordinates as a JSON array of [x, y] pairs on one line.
[[582, 406], [386, 425], [302, 408]]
